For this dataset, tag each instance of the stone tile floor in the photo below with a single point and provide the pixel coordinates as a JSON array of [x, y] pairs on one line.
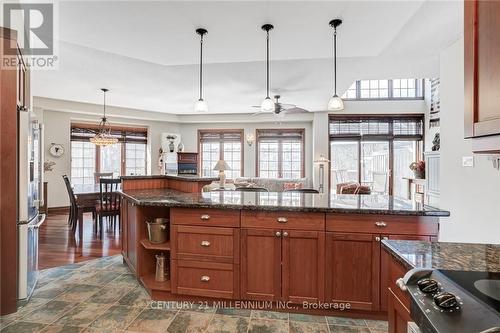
[[102, 296]]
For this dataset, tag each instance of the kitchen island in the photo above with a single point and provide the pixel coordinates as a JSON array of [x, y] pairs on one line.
[[403, 256], [280, 247]]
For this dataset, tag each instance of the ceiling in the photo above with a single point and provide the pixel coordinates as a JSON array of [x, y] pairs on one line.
[[147, 53]]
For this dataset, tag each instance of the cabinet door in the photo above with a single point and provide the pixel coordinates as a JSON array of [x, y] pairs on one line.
[[303, 267], [260, 264], [385, 259], [398, 315], [353, 269], [482, 67]]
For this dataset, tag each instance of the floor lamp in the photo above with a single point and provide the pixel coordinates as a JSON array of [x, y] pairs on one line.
[[322, 160]]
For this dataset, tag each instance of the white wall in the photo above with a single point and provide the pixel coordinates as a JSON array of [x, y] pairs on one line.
[[471, 194], [57, 130]]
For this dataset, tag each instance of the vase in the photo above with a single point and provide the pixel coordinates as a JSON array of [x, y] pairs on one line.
[[419, 174]]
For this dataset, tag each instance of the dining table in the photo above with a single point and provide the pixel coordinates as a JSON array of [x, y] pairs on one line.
[[87, 196]]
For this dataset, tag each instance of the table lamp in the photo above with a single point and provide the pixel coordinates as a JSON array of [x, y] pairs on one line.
[[322, 160], [221, 165]]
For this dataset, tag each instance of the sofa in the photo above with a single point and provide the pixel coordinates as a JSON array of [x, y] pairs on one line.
[[272, 184]]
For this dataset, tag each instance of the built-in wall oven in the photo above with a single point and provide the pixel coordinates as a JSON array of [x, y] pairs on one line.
[[30, 198]]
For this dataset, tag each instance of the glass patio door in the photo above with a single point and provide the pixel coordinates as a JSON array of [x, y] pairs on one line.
[[375, 170], [344, 157]]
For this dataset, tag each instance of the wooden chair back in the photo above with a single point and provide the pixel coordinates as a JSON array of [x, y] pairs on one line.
[[110, 198], [99, 175], [71, 194]]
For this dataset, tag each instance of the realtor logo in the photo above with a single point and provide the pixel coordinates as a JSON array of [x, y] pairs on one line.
[[34, 23]]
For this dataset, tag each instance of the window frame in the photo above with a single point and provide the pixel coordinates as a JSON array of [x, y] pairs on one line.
[[86, 130], [221, 132], [420, 140], [279, 131], [390, 92]]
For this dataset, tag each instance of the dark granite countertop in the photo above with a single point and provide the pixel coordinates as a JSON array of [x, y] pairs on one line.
[[442, 255], [186, 178], [289, 201]]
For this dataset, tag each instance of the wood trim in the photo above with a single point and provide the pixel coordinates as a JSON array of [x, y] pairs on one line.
[[94, 126], [221, 147], [58, 210], [280, 162], [470, 67], [6, 33]]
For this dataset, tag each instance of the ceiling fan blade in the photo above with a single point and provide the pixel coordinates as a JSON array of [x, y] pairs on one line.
[[256, 106], [295, 110], [260, 113], [287, 106]]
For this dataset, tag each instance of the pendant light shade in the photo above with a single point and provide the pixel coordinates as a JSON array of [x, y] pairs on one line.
[[335, 103], [267, 104], [103, 136], [201, 105]]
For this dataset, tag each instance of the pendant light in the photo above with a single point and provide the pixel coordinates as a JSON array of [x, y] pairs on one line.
[[267, 104], [103, 136], [335, 103], [201, 105]]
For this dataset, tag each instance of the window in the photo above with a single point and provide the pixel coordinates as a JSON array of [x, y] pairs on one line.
[[280, 153], [127, 157], [221, 145], [374, 151], [82, 162], [385, 89]]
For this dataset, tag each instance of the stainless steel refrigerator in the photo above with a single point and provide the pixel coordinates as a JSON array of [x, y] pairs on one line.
[[30, 198]]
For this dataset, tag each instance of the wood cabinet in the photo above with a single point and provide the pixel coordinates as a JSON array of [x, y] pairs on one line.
[[482, 74], [279, 264], [353, 269], [15, 96], [261, 264]]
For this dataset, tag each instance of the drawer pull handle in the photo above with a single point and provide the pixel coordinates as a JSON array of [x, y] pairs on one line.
[[377, 238], [285, 234], [278, 234], [205, 243], [401, 284], [205, 278], [385, 238], [205, 217], [381, 224], [282, 220]]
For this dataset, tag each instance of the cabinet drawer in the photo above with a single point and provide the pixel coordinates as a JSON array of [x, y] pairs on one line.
[[283, 220], [206, 243], [206, 217], [198, 278], [383, 224]]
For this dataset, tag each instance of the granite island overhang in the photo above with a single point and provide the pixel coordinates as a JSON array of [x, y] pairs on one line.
[[285, 248]]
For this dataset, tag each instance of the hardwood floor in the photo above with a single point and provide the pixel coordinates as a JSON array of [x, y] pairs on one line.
[[57, 244]]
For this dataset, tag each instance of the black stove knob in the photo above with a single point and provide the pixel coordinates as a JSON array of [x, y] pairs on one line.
[[428, 286], [445, 300]]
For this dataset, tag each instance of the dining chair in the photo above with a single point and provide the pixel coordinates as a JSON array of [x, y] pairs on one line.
[[252, 189], [99, 175], [302, 190], [380, 181], [109, 204], [72, 207]]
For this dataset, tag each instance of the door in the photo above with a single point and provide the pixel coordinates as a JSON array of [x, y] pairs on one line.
[[353, 269], [261, 264], [344, 156], [384, 266], [303, 267]]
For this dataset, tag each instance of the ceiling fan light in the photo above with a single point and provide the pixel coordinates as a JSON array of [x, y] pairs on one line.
[[335, 103], [201, 106], [267, 105]]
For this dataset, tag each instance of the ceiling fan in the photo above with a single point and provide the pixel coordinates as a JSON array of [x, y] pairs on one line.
[[281, 108]]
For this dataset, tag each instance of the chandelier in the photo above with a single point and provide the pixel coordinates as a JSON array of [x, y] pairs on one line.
[[103, 136]]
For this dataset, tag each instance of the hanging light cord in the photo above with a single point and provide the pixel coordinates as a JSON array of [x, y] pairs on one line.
[[267, 64], [104, 106], [201, 66], [335, 61]]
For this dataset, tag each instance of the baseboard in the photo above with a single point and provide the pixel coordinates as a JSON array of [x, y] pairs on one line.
[[58, 210]]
